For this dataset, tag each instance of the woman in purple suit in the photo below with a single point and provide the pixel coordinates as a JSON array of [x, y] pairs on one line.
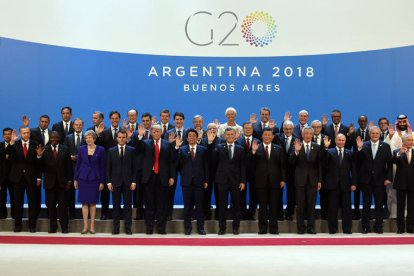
[[89, 178]]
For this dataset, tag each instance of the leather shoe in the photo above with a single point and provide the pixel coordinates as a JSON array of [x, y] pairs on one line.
[[128, 232], [365, 230], [348, 232], [162, 232], [410, 231], [311, 231], [400, 231], [149, 231], [222, 231], [379, 231], [235, 231], [32, 230], [201, 232], [17, 229], [65, 231], [332, 232], [274, 232], [187, 232], [301, 231], [262, 232], [115, 232], [52, 230], [104, 217]]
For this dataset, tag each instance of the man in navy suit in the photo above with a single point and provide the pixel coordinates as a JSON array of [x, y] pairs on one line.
[[65, 126], [57, 179], [192, 165], [158, 171], [5, 184], [270, 178], [339, 182], [165, 121], [263, 123], [375, 163], [337, 127], [245, 141], [308, 177], [132, 119], [230, 176], [121, 176]]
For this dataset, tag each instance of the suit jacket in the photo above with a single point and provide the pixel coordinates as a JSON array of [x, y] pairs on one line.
[[273, 168], [329, 130], [59, 127], [70, 142], [250, 166], [290, 168], [258, 130], [212, 165], [93, 169], [23, 167], [166, 160], [357, 133], [229, 172], [297, 132], [5, 165], [307, 169], [56, 172], [121, 170], [339, 175], [36, 134], [193, 171], [379, 168], [174, 130], [106, 139], [404, 175]]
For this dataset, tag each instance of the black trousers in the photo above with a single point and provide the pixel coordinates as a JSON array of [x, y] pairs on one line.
[[56, 207], [124, 192], [323, 201], [212, 186], [290, 196], [251, 189], [7, 186], [338, 197], [138, 196], [269, 199], [71, 200], [170, 198], [105, 200], [357, 198], [193, 196], [155, 198], [33, 200], [306, 200], [369, 190], [404, 196], [223, 191]]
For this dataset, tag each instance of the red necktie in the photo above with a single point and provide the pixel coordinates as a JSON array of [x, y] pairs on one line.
[[157, 155], [54, 152], [25, 150], [267, 152], [248, 144]]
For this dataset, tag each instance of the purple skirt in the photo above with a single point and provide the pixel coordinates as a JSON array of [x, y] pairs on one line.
[[88, 191]]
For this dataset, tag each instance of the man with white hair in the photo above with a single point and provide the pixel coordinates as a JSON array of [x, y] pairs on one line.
[[303, 122], [230, 114]]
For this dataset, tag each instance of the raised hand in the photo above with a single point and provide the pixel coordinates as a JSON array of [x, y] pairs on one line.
[[216, 122], [359, 142], [272, 123], [171, 137], [237, 133], [154, 120], [253, 118], [25, 120], [14, 137], [39, 150], [100, 128], [178, 141], [287, 116], [128, 131], [324, 120], [326, 141], [351, 128], [141, 130], [403, 149], [255, 146], [210, 135], [242, 186], [297, 145]]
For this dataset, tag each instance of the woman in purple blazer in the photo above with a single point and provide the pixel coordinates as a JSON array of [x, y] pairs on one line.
[[89, 178]]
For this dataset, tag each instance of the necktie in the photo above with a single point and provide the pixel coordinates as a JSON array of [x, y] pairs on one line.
[[164, 129], [230, 153], [146, 135], [25, 150], [247, 144], [374, 150], [287, 144], [409, 156], [315, 138], [341, 157], [179, 134], [78, 141], [132, 127], [363, 134], [115, 133], [307, 152], [157, 155], [267, 152], [192, 153], [66, 128], [54, 152], [122, 152], [43, 137], [336, 130]]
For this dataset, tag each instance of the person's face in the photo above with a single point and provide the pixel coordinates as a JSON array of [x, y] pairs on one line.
[[317, 128], [248, 130], [44, 123], [156, 133], [66, 115], [146, 122], [121, 138], [178, 121], [54, 139], [264, 116], [114, 120], [7, 135], [402, 124], [231, 116], [25, 133], [230, 136], [78, 125], [212, 128], [307, 135], [198, 123], [362, 122], [267, 137], [192, 138], [408, 142], [288, 130], [132, 117], [96, 119], [303, 118], [336, 117], [165, 118], [89, 140], [340, 140], [383, 125], [374, 134]]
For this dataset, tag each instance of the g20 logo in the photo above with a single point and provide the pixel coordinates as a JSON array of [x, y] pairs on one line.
[[258, 29]]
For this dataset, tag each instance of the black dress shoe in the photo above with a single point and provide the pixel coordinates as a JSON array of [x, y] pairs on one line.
[[222, 231], [187, 232], [301, 231], [201, 232], [32, 230], [65, 231], [262, 232], [365, 230], [17, 229], [128, 232], [400, 231], [104, 217], [149, 231], [348, 232], [52, 230], [410, 231], [161, 232], [379, 230], [311, 231], [357, 215], [235, 231], [115, 232], [332, 232], [274, 232]]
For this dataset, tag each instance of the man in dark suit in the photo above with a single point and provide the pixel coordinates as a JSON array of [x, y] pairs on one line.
[[339, 182], [337, 127], [270, 177], [158, 171], [383, 124], [73, 141], [121, 176], [198, 123], [192, 165], [165, 121], [57, 171], [65, 126], [107, 139], [303, 122], [404, 184], [132, 119], [245, 141], [286, 140], [5, 184], [212, 168], [25, 176], [230, 176], [41, 133], [97, 120], [375, 163], [264, 122], [308, 176]]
